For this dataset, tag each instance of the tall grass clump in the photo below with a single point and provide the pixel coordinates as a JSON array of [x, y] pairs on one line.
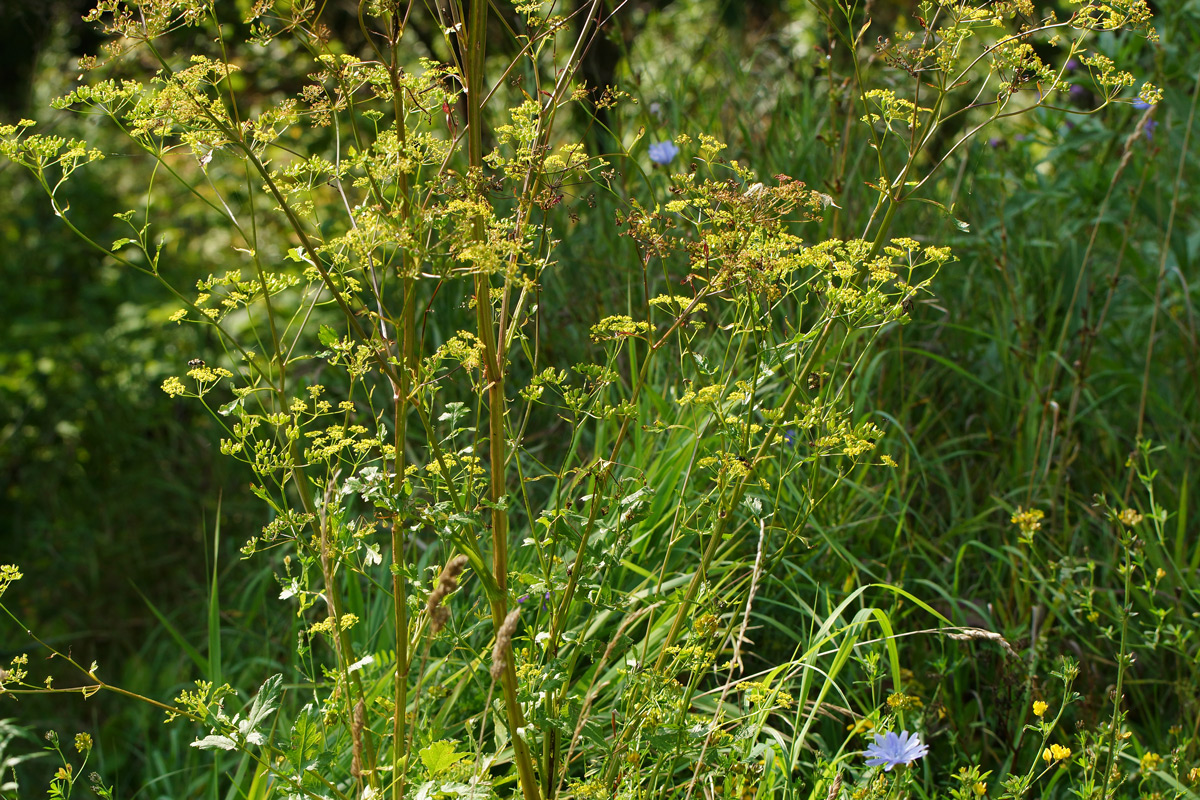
[[522, 557]]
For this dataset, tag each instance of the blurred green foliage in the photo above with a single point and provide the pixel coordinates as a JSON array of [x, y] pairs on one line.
[[106, 484]]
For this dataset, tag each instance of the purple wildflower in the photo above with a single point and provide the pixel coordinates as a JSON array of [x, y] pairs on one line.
[[662, 153], [891, 750], [995, 142], [1142, 105], [1148, 129], [1072, 64]]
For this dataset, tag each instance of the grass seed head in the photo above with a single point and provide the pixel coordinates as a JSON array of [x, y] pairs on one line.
[[447, 583], [504, 642]]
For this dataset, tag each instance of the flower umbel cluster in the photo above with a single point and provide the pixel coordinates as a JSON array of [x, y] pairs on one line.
[[1029, 521]]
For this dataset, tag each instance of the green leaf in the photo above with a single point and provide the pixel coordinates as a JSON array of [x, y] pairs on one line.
[[306, 739], [327, 335], [440, 756], [467, 791], [265, 702], [215, 742], [297, 254], [501, 732]]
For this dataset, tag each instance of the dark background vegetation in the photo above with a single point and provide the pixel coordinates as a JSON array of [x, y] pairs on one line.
[[110, 491]]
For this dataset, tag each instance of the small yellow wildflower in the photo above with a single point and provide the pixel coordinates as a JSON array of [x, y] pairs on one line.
[[980, 788], [1056, 752], [327, 625], [1039, 708], [1150, 761], [904, 702], [760, 694], [1028, 521], [1129, 517], [595, 788]]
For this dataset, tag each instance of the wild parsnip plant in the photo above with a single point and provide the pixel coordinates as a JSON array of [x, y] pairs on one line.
[[513, 573]]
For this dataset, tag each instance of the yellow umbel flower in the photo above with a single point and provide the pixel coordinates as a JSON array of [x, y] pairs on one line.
[[1028, 521]]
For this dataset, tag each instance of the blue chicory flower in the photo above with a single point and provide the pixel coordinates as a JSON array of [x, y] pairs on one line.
[[1141, 105], [1072, 64], [662, 153], [890, 750], [1148, 129]]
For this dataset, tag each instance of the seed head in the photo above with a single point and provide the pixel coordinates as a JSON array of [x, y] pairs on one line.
[[504, 643], [447, 583]]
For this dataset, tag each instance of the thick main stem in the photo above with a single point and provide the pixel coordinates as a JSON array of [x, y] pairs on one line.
[[493, 373]]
